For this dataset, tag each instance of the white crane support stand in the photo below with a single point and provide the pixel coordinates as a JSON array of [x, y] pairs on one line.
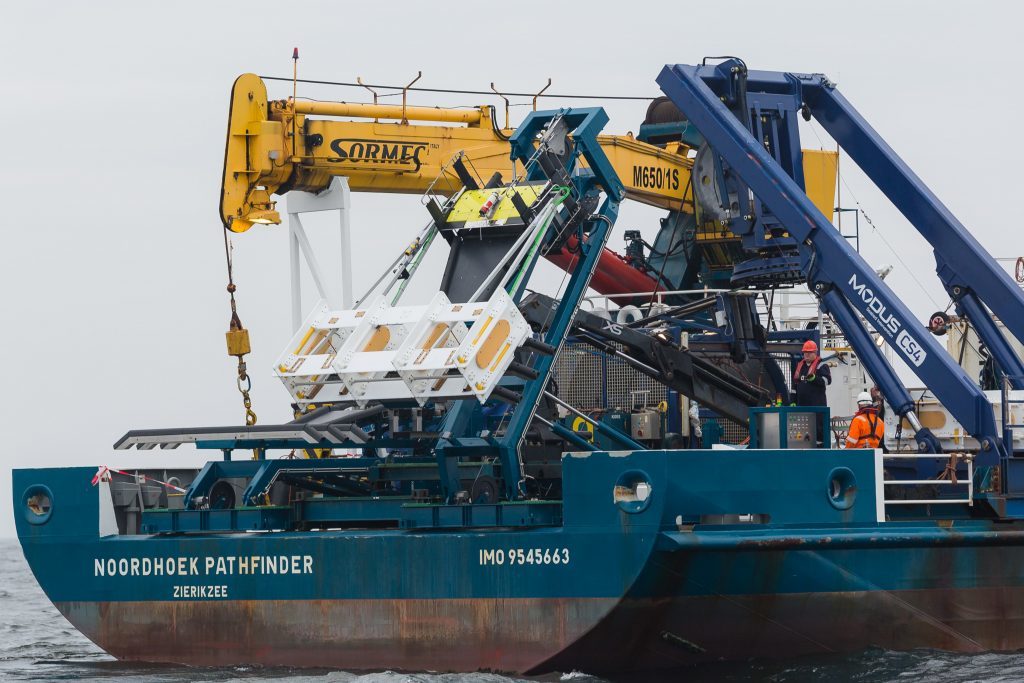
[[335, 198]]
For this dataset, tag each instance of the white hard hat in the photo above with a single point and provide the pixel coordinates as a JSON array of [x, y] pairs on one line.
[[864, 397]]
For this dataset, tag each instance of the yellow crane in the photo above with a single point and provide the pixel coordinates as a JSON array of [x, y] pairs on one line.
[[274, 146]]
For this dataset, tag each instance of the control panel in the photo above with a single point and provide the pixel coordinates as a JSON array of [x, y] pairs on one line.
[[801, 430], [796, 427]]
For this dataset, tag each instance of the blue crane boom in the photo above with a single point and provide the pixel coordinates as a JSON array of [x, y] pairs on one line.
[[966, 270], [725, 103]]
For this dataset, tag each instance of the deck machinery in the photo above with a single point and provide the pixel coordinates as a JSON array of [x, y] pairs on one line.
[[459, 383], [437, 511]]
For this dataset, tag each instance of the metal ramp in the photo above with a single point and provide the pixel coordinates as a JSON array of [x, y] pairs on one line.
[[442, 350]]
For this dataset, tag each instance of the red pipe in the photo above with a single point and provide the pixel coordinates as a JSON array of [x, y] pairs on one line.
[[612, 275]]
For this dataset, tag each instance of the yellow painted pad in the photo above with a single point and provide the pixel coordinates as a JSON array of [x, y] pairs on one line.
[[932, 419], [490, 346], [435, 335], [820, 171], [378, 340], [467, 209]]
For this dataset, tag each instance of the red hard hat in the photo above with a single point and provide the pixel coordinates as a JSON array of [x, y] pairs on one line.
[[810, 346]]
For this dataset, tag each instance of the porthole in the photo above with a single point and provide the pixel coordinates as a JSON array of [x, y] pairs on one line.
[[633, 492], [842, 488], [38, 504]]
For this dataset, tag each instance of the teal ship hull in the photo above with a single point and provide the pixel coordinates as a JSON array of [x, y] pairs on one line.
[[707, 566]]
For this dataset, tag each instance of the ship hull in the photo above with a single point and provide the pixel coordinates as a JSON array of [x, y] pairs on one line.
[[613, 588], [680, 607]]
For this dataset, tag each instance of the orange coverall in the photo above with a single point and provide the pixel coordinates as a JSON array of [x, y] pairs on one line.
[[867, 430]]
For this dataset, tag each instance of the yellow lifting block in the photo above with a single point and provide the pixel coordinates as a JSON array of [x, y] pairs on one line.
[[238, 342]]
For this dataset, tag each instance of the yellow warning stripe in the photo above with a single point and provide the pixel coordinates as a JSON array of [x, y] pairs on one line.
[[483, 328], [501, 354]]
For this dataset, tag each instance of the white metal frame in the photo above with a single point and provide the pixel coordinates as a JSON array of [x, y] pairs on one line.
[[336, 197]]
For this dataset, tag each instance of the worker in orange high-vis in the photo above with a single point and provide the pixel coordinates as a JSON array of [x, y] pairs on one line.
[[867, 430]]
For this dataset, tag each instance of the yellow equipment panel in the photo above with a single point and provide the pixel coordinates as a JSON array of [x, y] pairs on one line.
[[467, 209]]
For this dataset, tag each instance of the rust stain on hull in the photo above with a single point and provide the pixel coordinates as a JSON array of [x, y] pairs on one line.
[[535, 636], [438, 635]]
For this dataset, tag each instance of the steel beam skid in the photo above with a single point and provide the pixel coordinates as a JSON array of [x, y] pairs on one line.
[[382, 352], [326, 427]]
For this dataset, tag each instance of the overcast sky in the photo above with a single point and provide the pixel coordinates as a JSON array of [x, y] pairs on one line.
[[113, 123]]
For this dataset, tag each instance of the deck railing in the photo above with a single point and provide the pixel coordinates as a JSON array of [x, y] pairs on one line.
[[947, 478]]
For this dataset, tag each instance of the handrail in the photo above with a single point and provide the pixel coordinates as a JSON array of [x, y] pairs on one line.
[[881, 482]]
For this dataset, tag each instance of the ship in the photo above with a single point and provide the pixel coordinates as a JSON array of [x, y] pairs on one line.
[[499, 479]]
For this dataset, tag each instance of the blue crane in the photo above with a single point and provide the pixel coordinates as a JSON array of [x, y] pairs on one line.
[[750, 121]]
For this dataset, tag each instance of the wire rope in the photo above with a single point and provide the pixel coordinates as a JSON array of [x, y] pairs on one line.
[[563, 96]]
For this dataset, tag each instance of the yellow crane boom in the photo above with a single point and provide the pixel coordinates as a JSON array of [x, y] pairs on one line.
[[274, 146]]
